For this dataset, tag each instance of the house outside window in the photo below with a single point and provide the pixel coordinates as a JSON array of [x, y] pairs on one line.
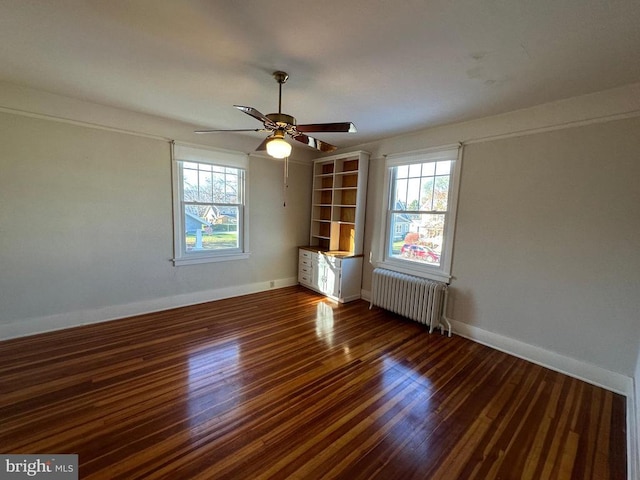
[[209, 205], [420, 205]]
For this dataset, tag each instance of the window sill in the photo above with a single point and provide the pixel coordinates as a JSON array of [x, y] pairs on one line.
[[196, 259], [417, 270]]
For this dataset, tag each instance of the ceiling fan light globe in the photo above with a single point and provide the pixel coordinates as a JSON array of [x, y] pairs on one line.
[[278, 148]]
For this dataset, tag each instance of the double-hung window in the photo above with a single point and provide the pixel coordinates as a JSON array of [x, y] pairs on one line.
[[209, 205], [420, 206]]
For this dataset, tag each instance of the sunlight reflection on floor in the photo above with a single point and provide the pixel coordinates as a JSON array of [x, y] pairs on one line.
[[412, 393], [208, 367], [324, 323]]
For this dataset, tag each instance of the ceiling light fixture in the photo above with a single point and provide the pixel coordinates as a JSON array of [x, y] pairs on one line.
[[277, 147]]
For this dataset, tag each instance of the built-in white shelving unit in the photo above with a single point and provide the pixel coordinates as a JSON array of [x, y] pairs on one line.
[[337, 226]]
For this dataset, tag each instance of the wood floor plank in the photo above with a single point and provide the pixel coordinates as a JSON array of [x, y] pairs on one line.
[[285, 384]]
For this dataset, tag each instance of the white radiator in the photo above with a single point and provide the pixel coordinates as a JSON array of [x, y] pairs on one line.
[[413, 297]]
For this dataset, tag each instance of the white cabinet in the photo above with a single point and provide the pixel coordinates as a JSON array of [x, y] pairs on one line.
[[329, 275], [337, 277]]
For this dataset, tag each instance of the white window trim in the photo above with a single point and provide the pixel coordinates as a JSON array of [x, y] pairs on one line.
[[443, 271], [183, 152]]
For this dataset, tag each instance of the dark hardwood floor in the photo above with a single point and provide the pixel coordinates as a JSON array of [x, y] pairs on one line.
[[285, 384]]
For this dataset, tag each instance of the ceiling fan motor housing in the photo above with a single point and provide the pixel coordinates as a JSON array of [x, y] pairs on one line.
[[282, 119]]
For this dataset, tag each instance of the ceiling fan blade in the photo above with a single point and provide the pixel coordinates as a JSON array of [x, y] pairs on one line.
[[257, 115], [263, 145], [233, 130], [314, 143], [346, 127]]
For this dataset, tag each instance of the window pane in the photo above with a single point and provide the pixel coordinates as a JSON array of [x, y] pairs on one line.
[[196, 212], [441, 193], [218, 187], [413, 194], [231, 188], [428, 169], [417, 237], [204, 187], [190, 185], [443, 168], [211, 228], [402, 171], [401, 195], [426, 201], [415, 169]]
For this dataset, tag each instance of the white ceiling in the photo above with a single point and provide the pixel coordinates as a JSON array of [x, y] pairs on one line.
[[388, 66]]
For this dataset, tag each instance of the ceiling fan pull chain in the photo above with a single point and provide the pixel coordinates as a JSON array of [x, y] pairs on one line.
[[285, 186]]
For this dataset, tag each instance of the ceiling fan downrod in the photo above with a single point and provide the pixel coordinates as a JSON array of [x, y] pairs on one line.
[[283, 121], [281, 77]]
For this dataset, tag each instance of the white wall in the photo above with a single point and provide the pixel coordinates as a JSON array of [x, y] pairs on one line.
[[547, 246], [86, 227]]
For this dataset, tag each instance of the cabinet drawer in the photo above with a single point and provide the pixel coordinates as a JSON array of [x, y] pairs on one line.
[[304, 270], [306, 254]]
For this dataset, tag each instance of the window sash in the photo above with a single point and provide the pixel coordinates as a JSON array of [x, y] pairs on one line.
[[238, 248], [199, 186]]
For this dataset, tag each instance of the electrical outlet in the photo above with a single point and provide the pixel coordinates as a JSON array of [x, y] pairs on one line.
[[272, 284]]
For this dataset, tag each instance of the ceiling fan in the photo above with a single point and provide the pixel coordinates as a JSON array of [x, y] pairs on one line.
[[281, 124]]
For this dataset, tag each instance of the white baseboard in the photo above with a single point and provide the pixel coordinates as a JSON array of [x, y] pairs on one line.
[[32, 326], [588, 372]]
